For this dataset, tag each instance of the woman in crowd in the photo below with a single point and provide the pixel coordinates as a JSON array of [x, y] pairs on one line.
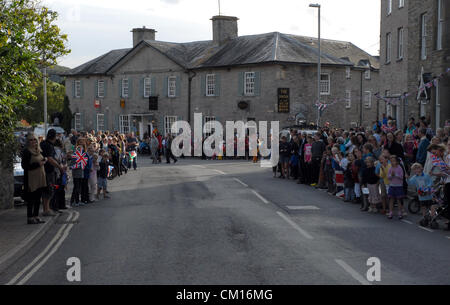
[[34, 178], [396, 191], [394, 147]]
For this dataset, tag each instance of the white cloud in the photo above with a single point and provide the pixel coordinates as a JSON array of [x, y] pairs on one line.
[[97, 26]]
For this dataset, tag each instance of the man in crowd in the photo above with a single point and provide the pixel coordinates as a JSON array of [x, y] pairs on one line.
[[318, 147], [132, 143], [48, 151]]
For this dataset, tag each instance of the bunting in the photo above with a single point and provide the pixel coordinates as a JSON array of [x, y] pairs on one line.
[[396, 100]]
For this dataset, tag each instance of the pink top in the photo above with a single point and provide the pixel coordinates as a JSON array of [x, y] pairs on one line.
[[308, 154], [397, 179]]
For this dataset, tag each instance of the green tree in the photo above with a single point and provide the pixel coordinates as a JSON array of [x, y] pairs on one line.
[[29, 39], [33, 112], [67, 115]]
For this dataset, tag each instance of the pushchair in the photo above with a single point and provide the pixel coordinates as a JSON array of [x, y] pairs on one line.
[[442, 211]]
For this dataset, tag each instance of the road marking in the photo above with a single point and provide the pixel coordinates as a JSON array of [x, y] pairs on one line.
[[220, 172], [237, 180], [55, 248], [295, 226], [201, 166], [352, 272], [59, 237], [426, 229], [260, 197], [55, 238], [302, 207], [407, 221]]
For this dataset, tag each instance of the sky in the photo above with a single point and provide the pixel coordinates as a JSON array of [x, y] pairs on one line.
[[95, 27]]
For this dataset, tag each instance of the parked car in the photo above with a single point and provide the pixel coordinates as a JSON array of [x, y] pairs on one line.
[[39, 131], [18, 178]]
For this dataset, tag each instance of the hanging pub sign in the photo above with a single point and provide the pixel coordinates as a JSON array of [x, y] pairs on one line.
[[97, 104], [283, 100], [122, 103], [153, 103]]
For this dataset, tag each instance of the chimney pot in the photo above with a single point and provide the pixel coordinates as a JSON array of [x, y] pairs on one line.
[[224, 28], [143, 33]]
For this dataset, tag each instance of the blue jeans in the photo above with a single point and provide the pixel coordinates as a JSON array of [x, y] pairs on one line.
[[349, 193]]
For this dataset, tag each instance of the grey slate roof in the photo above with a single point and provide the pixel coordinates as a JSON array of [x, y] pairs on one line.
[[243, 50], [100, 64]]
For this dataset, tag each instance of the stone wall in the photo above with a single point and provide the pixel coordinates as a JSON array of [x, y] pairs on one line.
[[6, 187]]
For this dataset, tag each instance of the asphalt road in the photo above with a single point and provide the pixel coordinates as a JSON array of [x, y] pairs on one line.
[[229, 222]]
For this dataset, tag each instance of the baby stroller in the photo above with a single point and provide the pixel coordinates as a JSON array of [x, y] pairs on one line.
[[442, 211]]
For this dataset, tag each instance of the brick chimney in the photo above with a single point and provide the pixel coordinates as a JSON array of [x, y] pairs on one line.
[[224, 28], [143, 33]]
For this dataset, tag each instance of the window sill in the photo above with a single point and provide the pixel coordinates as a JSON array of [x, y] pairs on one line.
[[387, 63]]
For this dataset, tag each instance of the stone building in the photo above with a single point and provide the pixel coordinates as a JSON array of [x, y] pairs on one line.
[[415, 43], [228, 78]]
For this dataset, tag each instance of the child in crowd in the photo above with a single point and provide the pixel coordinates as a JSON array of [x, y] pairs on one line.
[[102, 174], [370, 179], [357, 171], [338, 175], [396, 191], [382, 170], [423, 184], [93, 177], [349, 183], [308, 160]]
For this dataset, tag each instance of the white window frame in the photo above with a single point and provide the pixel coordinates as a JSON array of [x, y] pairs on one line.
[[367, 74], [208, 120], [348, 72], [423, 29], [440, 23], [125, 87], [100, 122], [101, 88], [172, 86], [400, 42], [401, 3], [325, 85], [210, 85], [77, 123], [249, 83], [368, 99], [77, 88], [389, 7], [168, 122], [388, 47], [348, 99], [124, 124], [147, 86]]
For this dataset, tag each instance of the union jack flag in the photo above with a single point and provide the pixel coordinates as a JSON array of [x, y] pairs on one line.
[[81, 159]]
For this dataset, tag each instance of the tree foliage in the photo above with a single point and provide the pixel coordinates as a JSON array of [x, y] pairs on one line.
[[29, 39], [33, 111]]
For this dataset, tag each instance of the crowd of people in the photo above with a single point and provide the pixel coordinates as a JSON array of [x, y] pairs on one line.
[[374, 167], [85, 159]]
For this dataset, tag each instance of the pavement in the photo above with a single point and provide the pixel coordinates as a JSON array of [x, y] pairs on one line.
[[16, 236], [228, 222]]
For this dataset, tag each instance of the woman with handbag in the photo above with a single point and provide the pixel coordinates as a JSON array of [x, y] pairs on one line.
[[34, 178]]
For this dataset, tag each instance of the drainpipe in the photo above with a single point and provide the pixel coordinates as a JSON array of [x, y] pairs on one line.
[[189, 93], [361, 100]]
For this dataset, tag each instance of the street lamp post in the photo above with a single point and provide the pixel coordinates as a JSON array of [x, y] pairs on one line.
[[318, 66]]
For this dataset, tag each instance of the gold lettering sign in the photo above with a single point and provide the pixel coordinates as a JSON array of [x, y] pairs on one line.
[[283, 100]]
